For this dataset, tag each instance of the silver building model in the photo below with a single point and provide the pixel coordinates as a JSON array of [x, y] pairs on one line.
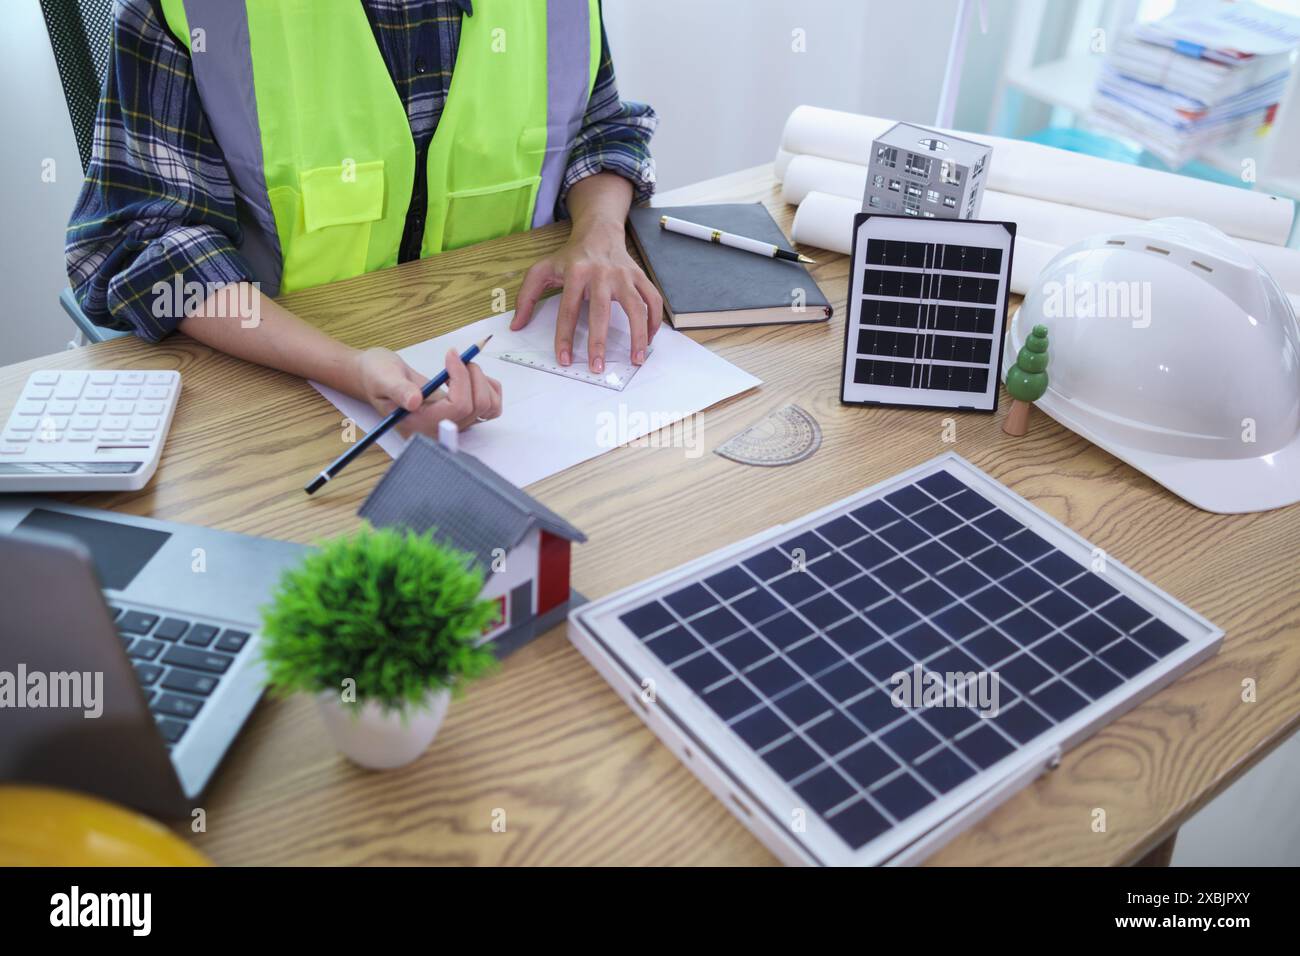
[[917, 172]]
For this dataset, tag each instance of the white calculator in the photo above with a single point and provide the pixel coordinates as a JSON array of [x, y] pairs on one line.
[[87, 430]]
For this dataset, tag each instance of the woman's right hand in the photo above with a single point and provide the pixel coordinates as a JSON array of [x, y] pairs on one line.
[[387, 382]]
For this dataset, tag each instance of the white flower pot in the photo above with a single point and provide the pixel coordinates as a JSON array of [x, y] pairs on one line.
[[379, 739]]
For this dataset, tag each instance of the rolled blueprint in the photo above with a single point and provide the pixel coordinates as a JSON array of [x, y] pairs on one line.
[[806, 174], [782, 161], [1042, 230], [826, 221], [1059, 176]]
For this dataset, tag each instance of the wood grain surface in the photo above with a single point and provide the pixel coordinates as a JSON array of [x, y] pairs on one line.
[[544, 743]]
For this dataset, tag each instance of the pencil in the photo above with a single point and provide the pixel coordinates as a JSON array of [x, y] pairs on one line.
[[391, 419]]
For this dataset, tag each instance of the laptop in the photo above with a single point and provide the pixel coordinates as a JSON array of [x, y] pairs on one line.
[[128, 649]]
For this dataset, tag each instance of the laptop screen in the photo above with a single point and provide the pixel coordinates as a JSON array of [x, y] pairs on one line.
[[119, 551]]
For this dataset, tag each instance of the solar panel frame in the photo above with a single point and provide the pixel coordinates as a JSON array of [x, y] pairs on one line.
[[941, 236], [767, 803]]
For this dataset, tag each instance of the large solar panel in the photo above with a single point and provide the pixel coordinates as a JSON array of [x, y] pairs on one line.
[[927, 305], [776, 667]]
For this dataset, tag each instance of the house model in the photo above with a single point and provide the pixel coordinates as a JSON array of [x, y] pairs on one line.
[[917, 172], [522, 546]]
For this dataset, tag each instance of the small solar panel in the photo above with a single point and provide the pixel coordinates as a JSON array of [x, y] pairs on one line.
[[927, 307], [791, 670]]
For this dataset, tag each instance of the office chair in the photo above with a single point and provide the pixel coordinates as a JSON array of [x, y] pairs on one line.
[[80, 33]]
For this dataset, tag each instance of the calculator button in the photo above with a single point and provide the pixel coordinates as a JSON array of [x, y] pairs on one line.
[[112, 436], [145, 423], [102, 378], [15, 437], [131, 378], [159, 378], [150, 408], [115, 423], [39, 392], [121, 408], [44, 378], [90, 422], [98, 391], [29, 408], [24, 423], [91, 407], [142, 437], [156, 391], [126, 391], [11, 448], [61, 407], [81, 436], [70, 385]]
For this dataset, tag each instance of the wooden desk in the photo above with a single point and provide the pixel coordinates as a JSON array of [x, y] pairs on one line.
[[579, 777]]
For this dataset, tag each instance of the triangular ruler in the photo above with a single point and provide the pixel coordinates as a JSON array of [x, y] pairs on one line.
[[617, 374]]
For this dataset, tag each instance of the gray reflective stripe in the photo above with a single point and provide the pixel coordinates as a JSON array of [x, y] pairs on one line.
[[224, 76], [568, 75]]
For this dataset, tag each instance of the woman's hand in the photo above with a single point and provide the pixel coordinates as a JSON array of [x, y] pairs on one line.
[[386, 382], [594, 265]]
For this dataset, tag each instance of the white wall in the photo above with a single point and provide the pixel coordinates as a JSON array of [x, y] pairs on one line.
[[724, 74], [33, 213]]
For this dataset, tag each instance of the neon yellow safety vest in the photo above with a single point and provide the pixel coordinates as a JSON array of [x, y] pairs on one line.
[[320, 149]]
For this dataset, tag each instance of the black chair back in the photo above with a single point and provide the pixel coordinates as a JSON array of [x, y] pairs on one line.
[[80, 32]]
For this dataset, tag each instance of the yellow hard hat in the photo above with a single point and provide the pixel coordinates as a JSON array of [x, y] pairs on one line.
[[41, 826]]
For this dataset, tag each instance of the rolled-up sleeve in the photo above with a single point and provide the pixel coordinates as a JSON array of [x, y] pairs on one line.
[[615, 137], [157, 209]]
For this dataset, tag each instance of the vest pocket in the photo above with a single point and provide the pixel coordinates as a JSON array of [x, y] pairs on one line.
[[329, 219], [476, 215]]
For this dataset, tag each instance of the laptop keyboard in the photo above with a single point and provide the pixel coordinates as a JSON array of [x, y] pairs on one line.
[[179, 663]]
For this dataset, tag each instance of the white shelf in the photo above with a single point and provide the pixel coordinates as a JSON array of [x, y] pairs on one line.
[[1067, 83]]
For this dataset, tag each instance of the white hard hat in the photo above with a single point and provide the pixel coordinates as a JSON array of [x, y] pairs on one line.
[[1173, 350]]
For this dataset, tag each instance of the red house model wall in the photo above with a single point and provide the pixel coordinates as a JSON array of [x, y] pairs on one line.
[[552, 571]]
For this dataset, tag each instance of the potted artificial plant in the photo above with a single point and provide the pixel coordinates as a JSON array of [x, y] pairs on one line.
[[381, 627]]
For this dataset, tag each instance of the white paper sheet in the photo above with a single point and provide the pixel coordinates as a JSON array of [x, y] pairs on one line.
[[1043, 172], [549, 422]]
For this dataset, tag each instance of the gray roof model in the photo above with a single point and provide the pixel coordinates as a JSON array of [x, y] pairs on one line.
[[469, 505]]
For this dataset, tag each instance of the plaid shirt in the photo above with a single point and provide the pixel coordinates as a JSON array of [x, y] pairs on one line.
[[157, 201]]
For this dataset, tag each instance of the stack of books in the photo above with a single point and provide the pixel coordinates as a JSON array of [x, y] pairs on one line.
[[1194, 80]]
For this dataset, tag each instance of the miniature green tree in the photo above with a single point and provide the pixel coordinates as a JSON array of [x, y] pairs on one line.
[[397, 612], [1027, 380]]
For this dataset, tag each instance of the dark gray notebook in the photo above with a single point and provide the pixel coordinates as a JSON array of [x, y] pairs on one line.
[[706, 285]]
